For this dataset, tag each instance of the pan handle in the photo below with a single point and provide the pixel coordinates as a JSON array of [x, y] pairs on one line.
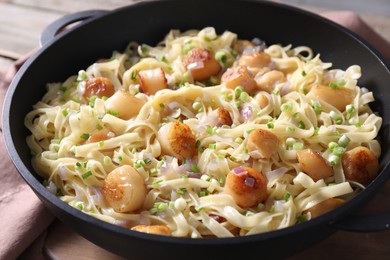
[[364, 223], [53, 29]]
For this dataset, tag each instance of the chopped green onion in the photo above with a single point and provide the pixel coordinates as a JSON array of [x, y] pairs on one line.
[[290, 141], [248, 131], [84, 136], [213, 146], [290, 129], [203, 193], [350, 109], [332, 145], [286, 196], [181, 191], [45, 182], [99, 127], [194, 168], [211, 130], [162, 105], [338, 151], [246, 151], [244, 96], [238, 90], [286, 107], [301, 219], [334, 159], [164, 59], [55, 141], [205, 177], [139, 164], [134, 75], [338, 84], [79, 205], [101, 144], [301, 125], [199, 208], [221, 56], [344, 141], [197, 105], [276, 92], [222, 180], [152, 171], [86, 175], [303, 73], [65, 112], [260, 206], [92, 101], [296, 115], [159, 207], [316, 106], [238, 104], [157, 182], [188, 46], [107, 160], [270, 125], [113, 113], [239, 140], [298, 146], [82, 75]]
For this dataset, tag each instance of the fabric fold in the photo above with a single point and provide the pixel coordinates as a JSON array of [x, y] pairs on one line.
[[23, 217]]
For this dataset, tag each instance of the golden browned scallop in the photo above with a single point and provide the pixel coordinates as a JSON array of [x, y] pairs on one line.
[[153, 229], [247, 186], [314, 165], [99, 86], [201, 63], [255, 60], [124, 104], [262, 99], [241, 45], [124, 189], [337, 97], [324, 207], [101, 135], [239, 76], [223, 116], [262, 144], [152, 80], [360, 164], [268, 80], [177, 140]]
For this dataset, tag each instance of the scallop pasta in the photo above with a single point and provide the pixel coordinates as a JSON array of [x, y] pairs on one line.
[[206, 135]]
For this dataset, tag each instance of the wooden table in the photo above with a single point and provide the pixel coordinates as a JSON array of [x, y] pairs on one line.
[[21, 22]]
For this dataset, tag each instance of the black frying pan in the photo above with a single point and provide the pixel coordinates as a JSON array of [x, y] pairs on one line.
[[148, 22]]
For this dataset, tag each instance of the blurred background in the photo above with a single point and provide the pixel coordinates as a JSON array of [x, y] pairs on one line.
[[22, 21]]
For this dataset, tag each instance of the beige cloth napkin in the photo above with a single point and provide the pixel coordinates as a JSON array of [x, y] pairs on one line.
[[23, 218]]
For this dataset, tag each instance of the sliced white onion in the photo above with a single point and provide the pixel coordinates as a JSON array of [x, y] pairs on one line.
[[239, 171], [256, 154], [276, 174], [246, 112]]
